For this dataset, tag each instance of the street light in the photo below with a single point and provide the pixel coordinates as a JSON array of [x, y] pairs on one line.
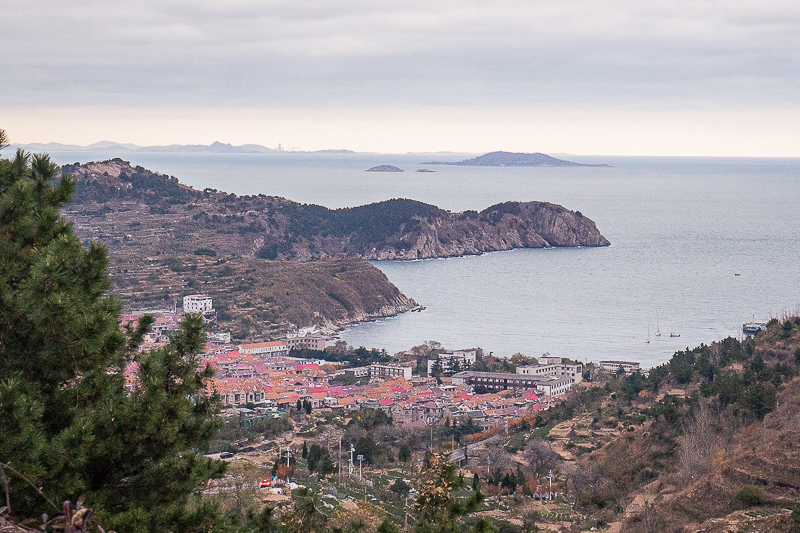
[[360, 460]]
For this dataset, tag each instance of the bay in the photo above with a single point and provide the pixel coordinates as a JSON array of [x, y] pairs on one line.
[[681, 230]]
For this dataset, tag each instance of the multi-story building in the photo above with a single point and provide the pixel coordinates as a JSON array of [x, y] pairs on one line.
[[197, 303], [271, 349], [550, 385], [555, 367], [629, 367], [305, 340], [387, 370], [457, 359], [357, 372]]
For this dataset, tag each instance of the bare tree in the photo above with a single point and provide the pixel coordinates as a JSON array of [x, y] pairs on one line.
[[497, 457], [651, 520], [698, 444], [583, 480], [540, 457]]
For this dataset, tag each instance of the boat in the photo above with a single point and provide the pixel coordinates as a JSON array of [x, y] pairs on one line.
[[753, 327], [658, 328], [674, 334], [647, 341]]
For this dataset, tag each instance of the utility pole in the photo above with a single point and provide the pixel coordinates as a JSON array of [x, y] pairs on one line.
[[550, 476], [350, 471], [340, 461], [361, 477]]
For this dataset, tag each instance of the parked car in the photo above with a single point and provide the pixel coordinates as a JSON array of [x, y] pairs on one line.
[[225, 455]]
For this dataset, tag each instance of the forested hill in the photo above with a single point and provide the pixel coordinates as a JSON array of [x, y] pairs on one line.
[[111, 197]]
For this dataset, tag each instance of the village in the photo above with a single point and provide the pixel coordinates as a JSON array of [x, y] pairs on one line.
[[264, 379], [296, 411]]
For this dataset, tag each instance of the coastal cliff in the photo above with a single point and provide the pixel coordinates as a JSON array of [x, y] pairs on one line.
[[271, 262], [133, 209]]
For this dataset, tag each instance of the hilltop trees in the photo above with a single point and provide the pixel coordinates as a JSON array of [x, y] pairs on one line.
[[73, 423]]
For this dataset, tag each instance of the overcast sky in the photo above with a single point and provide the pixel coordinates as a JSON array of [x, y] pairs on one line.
[[649, 77]]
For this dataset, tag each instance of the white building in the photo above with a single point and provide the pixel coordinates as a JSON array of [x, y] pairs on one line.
[[272, 349], [358, 372], [463, 359], [306, 339], [554, 366], [384, 371], [629, 367], [197, 303]]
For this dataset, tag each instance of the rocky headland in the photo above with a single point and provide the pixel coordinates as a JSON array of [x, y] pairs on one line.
[[167, 239]]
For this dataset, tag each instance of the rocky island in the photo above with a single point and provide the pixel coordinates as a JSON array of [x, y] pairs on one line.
[[511, 159], [277, 261], [384, 168]]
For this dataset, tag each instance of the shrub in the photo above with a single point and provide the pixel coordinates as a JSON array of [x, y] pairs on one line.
[[751, 495]]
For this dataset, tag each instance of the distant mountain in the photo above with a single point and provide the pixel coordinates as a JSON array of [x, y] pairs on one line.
[[213, 148], [511, 159]]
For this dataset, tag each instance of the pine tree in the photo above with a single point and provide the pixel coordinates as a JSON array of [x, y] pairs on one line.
[[70, 423]]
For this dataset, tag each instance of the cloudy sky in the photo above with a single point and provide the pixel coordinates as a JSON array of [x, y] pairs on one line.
[[654, 77]]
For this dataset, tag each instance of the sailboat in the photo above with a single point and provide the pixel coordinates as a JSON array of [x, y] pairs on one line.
[[648, 334], [658, 328]]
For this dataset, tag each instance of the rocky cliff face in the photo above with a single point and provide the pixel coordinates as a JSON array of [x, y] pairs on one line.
[[503, 227], [133, 208]]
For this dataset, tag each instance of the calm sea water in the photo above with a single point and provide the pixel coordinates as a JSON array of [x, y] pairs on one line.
[[699, 246]]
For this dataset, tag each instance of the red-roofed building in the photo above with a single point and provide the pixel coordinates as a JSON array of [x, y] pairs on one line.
[[274, 348]]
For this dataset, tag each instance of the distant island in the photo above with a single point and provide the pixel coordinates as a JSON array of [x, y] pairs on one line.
[[384, 168], [511, 159]]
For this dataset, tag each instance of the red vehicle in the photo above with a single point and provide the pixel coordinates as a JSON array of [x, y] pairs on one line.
[[266, 483]]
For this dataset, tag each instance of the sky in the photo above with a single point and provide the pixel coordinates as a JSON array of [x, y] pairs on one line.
[[655, 77]]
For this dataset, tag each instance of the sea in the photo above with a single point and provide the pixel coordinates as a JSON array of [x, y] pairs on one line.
[[699, 247]]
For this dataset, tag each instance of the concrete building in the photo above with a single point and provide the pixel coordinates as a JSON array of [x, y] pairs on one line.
[[629, 367], [305, 339], [197, 303], [553, 366], [358, 372], [271, 349], [552, 386], [462, 359], [386, 371]]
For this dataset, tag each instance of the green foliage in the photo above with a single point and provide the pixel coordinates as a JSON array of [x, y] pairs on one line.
[[751, 495], [205, 251], [70, 423], [404, 454], [437, 509], [356, 357], [319, 460], [400, 487], [369, 418]]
